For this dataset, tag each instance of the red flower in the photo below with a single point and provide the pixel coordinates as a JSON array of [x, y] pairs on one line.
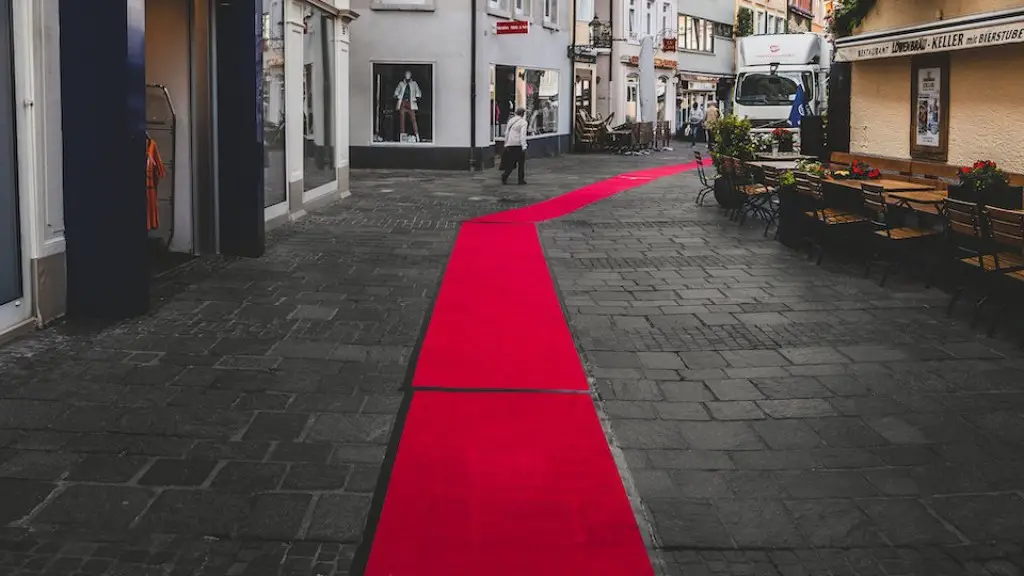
[[990, 164], [875, 174], [979, 165], [965, 170]]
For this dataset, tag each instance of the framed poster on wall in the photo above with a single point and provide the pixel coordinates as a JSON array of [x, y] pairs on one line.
[[929, 107]]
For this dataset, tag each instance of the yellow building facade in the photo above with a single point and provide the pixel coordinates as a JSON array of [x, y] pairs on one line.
[[938, 80]]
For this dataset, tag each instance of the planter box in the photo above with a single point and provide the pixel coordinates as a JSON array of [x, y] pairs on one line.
[[725, 195], [1006, 197]]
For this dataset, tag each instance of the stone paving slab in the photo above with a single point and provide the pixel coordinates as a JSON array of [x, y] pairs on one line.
[[779, 418], [241, 427]]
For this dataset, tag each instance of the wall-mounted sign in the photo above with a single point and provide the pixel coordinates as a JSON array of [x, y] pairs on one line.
[[512, 27], [669, 44], [700, 86], [658, 62], [910, 44]]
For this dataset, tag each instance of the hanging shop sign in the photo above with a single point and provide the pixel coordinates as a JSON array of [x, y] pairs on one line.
[[658, 62], [512, 27], [669, 44], [912, 44]]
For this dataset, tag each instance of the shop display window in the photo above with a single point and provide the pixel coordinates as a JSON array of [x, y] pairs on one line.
[[534, 89], [318, 100], [403, 103], [274, 175]]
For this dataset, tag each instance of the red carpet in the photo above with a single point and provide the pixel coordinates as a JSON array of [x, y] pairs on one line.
[[567, 203], [505, 484], [518, 482], [497, 322]]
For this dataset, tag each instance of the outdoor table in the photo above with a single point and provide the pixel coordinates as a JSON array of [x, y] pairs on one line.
[[924, 201], [794, 156], [777, 164], [885, 183]]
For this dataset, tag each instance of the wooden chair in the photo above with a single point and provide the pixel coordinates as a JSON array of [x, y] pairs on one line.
[[771, 178], [827, 220], [1006, 233], [753, 194], [966, 233], [706, 186], [894, 241]]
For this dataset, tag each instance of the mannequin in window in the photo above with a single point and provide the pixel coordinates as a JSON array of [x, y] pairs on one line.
[[407, 93]]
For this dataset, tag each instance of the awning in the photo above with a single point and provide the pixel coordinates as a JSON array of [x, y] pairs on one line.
[[975, 31]]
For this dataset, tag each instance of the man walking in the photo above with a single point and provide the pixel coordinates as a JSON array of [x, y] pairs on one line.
[[696, 121], [514, 153], [710, 117]]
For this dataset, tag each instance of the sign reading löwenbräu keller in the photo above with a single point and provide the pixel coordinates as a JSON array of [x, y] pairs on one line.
[[995, 35]]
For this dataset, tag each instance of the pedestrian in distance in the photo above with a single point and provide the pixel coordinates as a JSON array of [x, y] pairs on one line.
[[514, 153], [710, 117], [696, 122]]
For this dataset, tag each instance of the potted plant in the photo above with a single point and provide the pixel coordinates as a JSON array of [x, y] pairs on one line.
[[985, 183], [733, 139], [782, 140], [858, 171]]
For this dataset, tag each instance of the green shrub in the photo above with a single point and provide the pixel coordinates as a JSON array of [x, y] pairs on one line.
[[744, 22], [732, 138]]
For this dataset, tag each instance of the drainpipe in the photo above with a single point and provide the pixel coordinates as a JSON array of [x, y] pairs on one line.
[[611, 56], [472, 87], [572, 82]]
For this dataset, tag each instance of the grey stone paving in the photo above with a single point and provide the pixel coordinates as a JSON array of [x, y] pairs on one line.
[[240, 427], [778, 418]]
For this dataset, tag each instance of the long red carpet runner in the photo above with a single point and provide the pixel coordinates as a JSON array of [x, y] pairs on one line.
[[495, 474]]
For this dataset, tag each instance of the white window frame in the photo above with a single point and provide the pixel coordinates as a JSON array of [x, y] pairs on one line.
[[760, 22], [550, 12], [522, 7], [585, 10], [499, 7], [631, 20]]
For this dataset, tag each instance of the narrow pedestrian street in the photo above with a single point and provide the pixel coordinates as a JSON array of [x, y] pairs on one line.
[[765, 416]]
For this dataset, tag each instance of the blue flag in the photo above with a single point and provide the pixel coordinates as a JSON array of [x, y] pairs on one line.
[[799, 103]]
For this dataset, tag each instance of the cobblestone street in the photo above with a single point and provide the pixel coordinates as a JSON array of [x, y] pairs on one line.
[[240, 427], [769, 417], [775, 417]]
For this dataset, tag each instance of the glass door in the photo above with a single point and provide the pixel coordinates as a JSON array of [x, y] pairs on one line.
[[12, 309]]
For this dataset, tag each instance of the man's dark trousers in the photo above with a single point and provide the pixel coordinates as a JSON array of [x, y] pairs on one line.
[[513, 157]]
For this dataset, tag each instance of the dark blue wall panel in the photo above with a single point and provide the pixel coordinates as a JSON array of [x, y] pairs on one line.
[[103, 100], [239, 127]]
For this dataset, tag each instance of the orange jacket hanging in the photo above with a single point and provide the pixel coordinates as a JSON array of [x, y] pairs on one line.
[[155, 172]]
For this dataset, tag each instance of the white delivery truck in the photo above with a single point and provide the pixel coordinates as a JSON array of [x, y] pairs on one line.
[[770, 67]]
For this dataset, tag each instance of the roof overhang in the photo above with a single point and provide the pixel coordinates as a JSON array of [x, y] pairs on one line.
[[975, 31]]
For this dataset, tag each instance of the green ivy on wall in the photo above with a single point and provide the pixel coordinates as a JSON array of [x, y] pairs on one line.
[[744, 22], [847, 15]]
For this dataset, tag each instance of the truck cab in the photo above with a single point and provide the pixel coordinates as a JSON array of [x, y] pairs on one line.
[[770, 68]]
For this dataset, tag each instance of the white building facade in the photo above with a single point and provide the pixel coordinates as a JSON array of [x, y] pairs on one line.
[[32, 240], [632, 21], [706, 55], [77, 227], [440, 97]]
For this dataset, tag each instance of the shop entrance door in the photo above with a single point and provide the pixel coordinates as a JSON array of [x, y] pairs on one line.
[[12, 309]]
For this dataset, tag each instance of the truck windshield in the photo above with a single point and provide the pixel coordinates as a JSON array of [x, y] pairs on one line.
[[757, 89]]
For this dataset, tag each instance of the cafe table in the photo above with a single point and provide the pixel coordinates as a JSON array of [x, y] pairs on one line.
[[886, 184], [925, 201], [794, 156], [777, 164]]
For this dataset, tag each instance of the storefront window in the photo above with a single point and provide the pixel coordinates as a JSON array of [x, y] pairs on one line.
[[274, 176], [632, 97], [403, 96], [533, 89], [318, 103]]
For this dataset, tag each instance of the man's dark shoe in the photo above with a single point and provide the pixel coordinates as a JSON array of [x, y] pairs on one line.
[[504, 179], [521, 182]]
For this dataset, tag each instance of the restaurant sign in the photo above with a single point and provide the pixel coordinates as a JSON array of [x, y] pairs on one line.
[[913, 44]]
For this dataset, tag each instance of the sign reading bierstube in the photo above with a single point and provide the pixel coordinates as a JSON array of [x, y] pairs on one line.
[[513, 27], [910, 45]]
